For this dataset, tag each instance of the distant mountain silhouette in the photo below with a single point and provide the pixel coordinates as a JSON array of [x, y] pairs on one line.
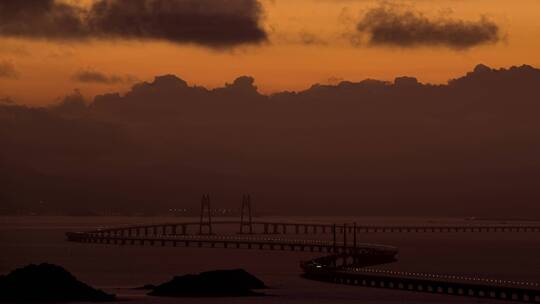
[[47, 283], [467, 147]]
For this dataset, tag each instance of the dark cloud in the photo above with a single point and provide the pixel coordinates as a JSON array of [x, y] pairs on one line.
[[72, 105], [213, 23], [7, 70], [41, 19], [91, 76], [388, 25], [216, 23], [405, 147]]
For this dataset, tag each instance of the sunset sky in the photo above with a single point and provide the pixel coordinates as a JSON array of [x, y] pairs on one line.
[[306, 42]]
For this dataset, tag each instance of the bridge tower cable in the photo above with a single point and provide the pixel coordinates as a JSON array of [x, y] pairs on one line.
[[334, 239], [246, 212], [354, 235], [355, 256], [344, 236], [206, 214]]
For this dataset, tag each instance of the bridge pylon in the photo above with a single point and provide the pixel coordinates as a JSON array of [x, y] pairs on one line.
[[206, 214], [334, 241], [245, 214], [354, 235]]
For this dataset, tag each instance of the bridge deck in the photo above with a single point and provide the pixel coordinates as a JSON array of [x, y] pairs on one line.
[[441, 277], [324, 268], [233, 241], [273, 227]]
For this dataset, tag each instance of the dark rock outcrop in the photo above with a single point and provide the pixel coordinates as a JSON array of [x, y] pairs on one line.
[[47, 283], [219, 283]]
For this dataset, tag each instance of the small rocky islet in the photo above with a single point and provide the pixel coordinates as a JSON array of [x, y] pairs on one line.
[[218, 283]]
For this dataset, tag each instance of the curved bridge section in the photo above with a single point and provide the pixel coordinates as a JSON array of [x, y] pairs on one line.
[[429, 285], [339, 263]]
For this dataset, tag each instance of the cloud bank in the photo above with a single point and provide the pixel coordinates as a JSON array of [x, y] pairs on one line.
[[370, 147], [211, 23], [398, 27]]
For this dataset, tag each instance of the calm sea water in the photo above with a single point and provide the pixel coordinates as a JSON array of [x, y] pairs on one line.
[[25, 240]]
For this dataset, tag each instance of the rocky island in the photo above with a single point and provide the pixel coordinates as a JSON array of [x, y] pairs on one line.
[[47, 283], [219, 283]]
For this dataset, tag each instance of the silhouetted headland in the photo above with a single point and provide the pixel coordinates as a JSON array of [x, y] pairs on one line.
[[47, 283], [219, 283]]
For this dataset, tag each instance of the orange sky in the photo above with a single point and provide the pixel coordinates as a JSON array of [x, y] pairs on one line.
[[45, 69]]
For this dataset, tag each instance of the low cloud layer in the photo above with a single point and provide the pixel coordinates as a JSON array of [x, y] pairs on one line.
[[7, 70], [91, 76], [212, 23], [404, 147], [399, 27]]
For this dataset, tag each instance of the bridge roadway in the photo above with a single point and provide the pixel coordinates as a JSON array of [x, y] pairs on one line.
[[431, 283], [443, 277], [342, 262], [235, 241], [263, 227]]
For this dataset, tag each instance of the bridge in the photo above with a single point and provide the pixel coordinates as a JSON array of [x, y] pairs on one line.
[[247, 225], [341, 262], [272, 227]]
